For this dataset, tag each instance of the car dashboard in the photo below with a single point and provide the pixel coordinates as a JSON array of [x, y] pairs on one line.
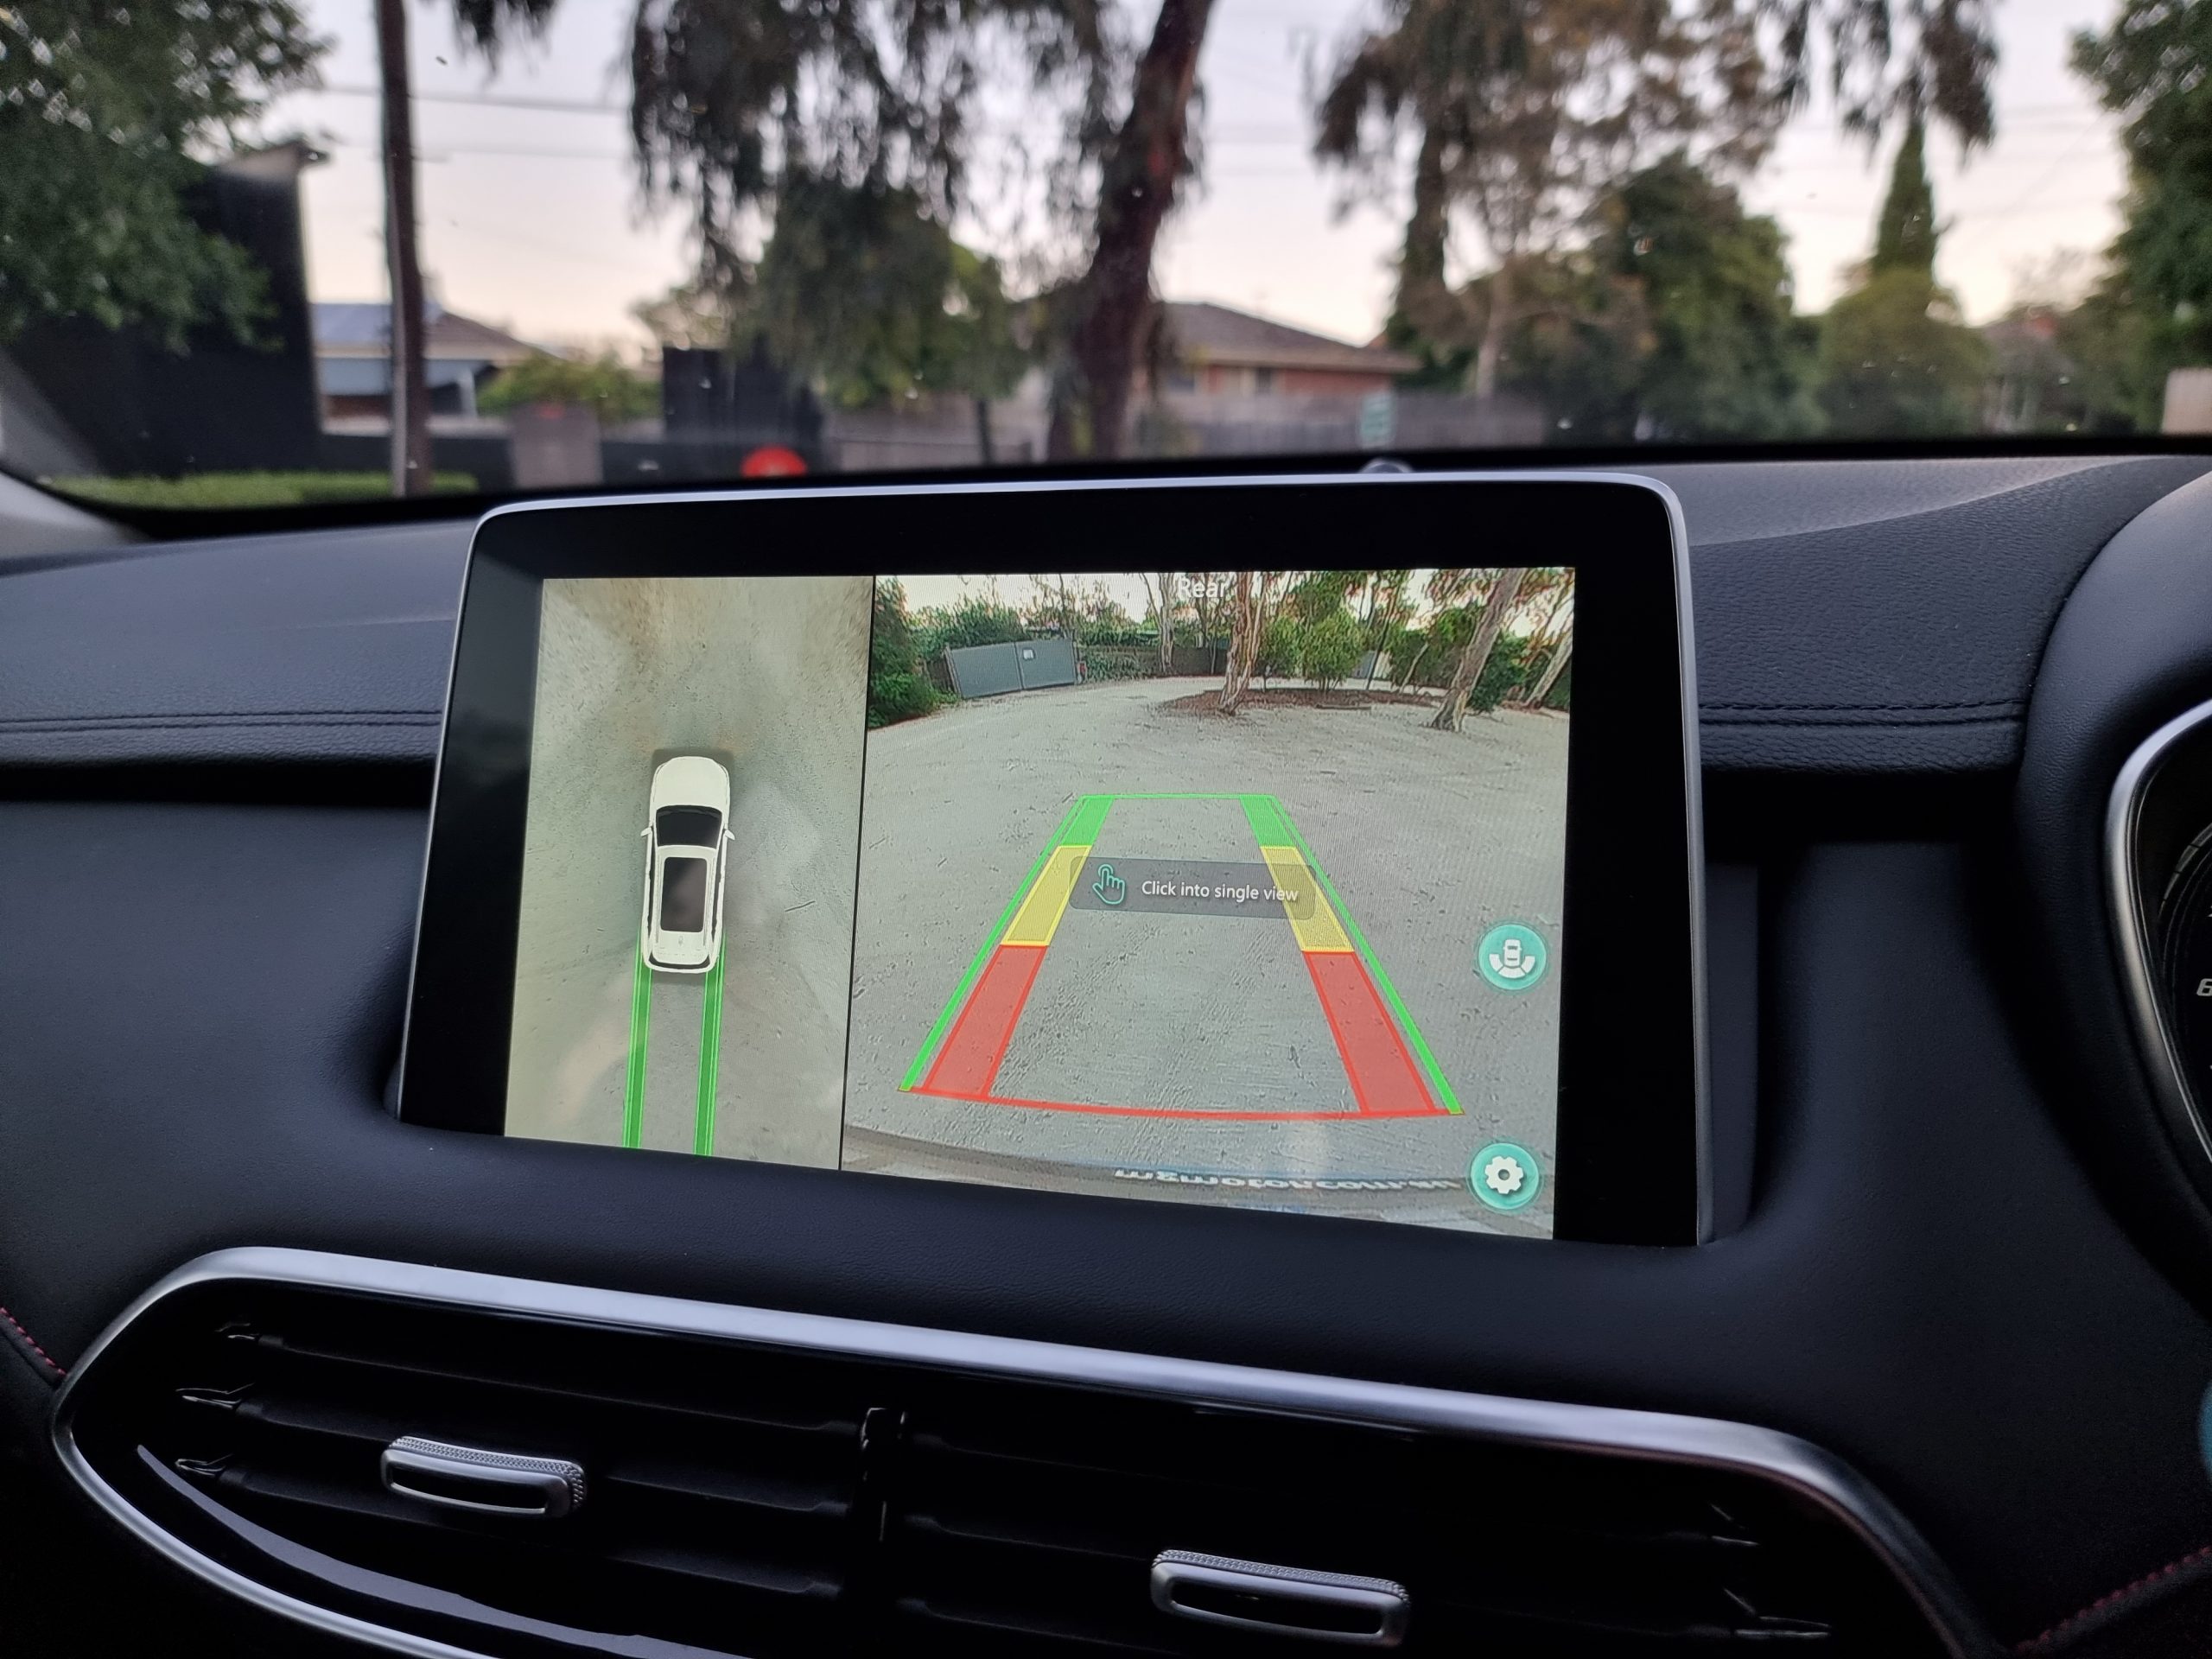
[[1935, 1381]]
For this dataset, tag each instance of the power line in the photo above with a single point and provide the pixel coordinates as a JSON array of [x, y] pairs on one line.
[[2029, 117], [480, 100]]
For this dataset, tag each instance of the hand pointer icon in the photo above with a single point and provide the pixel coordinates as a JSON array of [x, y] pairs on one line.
[[1109, 887]]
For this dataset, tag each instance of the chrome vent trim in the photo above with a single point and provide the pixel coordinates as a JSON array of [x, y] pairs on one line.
[[1788, 1461]]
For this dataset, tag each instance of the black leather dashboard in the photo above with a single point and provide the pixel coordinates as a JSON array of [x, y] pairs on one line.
[[1848, 622], [200, 997]]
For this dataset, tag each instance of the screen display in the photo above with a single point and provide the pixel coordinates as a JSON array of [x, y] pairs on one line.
[[979, 879]]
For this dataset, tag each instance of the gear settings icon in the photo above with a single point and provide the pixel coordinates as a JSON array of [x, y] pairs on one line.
[[1505, 1176]]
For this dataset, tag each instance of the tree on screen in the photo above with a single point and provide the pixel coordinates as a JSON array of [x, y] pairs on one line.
[[1252, 605], [1501, 595]]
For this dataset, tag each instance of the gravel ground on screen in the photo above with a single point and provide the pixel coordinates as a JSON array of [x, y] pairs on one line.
[[1431, 838]]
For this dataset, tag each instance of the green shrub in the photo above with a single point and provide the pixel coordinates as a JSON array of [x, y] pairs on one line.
[[896, 697], [1116, 663], [1501, 675], [1329, 649], [897, 688], [604, 385], [204, 490], [1281, 646], [1562, 695], [976, 620]]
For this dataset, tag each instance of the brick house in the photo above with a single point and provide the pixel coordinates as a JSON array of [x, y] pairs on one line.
[[1217, 352]]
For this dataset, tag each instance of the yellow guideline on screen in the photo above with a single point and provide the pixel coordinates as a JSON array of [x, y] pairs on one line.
[[1311, 916], [1041, 912]]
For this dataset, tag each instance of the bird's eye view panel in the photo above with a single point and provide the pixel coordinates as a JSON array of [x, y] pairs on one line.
[[738, 918]]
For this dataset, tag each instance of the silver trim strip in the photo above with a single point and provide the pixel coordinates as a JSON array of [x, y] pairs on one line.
[[540, 1489], [2131, 921], [1693, 771], [1802, 1468], [1382, 1600]]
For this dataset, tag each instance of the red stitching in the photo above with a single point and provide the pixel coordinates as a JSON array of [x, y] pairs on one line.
[[50, 1365], [2119, 1595]]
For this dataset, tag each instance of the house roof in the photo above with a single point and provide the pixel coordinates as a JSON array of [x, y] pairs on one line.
[[1202, 332], [363, 329]]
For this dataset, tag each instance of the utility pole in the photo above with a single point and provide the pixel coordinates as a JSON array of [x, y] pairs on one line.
[[411, 394]]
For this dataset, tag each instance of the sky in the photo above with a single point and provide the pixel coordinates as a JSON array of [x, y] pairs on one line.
[[530, 217]]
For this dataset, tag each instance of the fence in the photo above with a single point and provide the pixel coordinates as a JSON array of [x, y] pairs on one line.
[[1021, 665]]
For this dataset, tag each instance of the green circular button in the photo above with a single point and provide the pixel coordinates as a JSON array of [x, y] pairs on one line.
[[1505, 1176], [1512, 958]]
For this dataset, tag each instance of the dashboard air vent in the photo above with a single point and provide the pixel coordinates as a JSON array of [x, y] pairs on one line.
[[1022, 1520], [515, 1483]]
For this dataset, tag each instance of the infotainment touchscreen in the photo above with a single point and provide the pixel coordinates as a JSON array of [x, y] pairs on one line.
[[1247, 888]]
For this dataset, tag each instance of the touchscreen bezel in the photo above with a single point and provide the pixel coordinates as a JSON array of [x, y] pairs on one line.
[[1632, 1098]]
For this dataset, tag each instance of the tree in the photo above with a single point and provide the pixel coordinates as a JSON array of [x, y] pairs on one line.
[[1504, 594], [1896, 360], [1521, 109], [605, 385], [1143, 165], [1329, 648], [737, 103], [2153, 67], [897, 688], [1562, 652], [106, 114], [1282, 647], [861, 289], [1162, 595], [1716, 349], [410, 393], [1906, 233], [1249, 605]]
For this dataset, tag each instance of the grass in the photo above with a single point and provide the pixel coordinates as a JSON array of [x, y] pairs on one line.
[[246, 489]]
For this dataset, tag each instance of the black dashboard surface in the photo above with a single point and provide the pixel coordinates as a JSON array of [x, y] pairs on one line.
[[1847, 623], [1928, 1284]]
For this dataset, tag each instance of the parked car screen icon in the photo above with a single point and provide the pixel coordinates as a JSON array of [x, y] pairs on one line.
[[687, 861]]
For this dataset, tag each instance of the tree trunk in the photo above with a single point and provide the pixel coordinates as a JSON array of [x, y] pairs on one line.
[[1552, 669], [1424, 295], [983, 431], [1498, 315], [1166, 603], [1244, 626], [1144, 165], [1499, 605], [412, 469]]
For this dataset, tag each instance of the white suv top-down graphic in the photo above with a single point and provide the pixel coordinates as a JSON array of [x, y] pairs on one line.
[[687, 854]]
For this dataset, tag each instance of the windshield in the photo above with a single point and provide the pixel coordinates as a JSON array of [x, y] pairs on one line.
[[688, 826], [272, 252]]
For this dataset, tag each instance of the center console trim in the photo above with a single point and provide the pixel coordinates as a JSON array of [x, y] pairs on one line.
[[2131, 922], [1802, 1467]]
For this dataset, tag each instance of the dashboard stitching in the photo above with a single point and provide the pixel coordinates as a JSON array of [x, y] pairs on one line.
[[2105, 1603], [302, 716], [36, 1355], [1898, 723], [1871, 707]]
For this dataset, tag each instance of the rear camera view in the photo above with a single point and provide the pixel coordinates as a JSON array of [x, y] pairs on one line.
[[1265, 913]]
